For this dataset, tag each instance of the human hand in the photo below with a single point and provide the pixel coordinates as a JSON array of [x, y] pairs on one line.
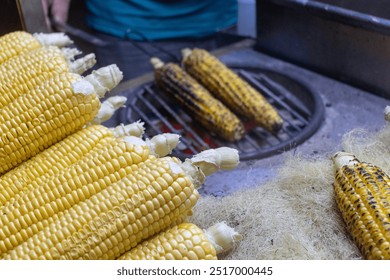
[[57, 9]]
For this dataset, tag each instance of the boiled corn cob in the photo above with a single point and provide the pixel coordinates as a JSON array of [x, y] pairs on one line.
[[19, 42], [42, 117], [25, 72], [185, 242], [152, 196], [122, 214], [104, 164], [34, 172], [211, 113], [31, 211], [228, 87], [362, 193]]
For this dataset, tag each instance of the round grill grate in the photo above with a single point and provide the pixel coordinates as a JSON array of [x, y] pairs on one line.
[[300, 107]]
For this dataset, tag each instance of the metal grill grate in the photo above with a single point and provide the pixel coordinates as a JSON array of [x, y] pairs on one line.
[[301, 109]]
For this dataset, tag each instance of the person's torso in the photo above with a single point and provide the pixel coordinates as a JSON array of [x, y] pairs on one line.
[[161, 19]]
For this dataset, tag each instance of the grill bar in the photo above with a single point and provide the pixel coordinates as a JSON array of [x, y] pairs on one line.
[[272, 95], [157, 113], [187, 143], [288, 98]]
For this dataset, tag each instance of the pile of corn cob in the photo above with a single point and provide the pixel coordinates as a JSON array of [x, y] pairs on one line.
[[215, 94], [73, 189]]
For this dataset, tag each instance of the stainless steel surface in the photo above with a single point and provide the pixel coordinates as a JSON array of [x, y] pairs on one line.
[[337, 40]]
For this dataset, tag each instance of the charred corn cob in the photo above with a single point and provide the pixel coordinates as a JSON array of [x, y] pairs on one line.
[[42, 117], [207, 110], [362, 193], [25, 72], [34, 172], [185, 242], [233, 91], [19, 42], [150, 197]]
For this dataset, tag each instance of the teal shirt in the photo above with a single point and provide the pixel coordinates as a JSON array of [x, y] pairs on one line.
[[161, 19]]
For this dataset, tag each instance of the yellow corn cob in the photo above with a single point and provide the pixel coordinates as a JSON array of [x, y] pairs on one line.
[[31, 211], [116, 218], [19, 42], [42, 117], [207, 110], [34, 172], [362, 193], [185, 242], [228, 87], [108, 162], [108, 218], [25, 72]]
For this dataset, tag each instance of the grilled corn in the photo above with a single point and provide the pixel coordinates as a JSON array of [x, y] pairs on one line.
[[362, 193], [207, 110], [233, 91]]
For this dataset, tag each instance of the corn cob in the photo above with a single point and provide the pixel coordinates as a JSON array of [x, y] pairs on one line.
[[111, 157], [19, 42], [25, 72], [362, 193], [185, 242], [152, 196], [211, 113], [31, 211], [129, 198], [233, 91], [42, 117], [34, 172]]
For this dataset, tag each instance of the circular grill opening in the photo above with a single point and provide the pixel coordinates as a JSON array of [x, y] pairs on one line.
[[300, 107]]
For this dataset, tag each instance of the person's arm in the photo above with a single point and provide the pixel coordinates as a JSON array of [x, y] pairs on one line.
[[58, 9]]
